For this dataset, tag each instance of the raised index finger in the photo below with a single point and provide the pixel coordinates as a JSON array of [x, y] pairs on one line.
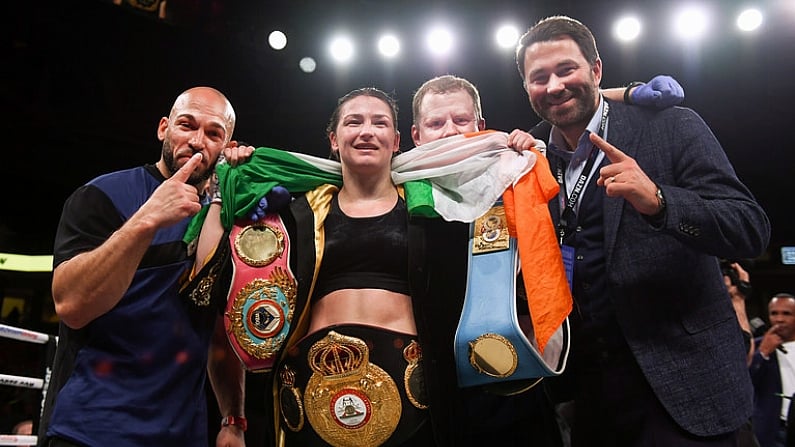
[[611, 152], [187, 169]]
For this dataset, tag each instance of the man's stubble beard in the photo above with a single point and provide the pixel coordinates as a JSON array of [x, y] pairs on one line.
[[195, 179], [584, 108]]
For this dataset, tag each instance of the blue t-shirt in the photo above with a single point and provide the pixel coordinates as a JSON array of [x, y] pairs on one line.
[[135, 376]]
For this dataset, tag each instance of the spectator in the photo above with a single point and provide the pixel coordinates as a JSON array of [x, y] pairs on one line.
[[23, 428], [738, 284], [773, 373]]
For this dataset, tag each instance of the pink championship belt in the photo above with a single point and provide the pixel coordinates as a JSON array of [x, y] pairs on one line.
[[261, 300]]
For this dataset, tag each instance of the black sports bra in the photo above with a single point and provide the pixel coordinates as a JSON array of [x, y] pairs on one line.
[[364, 252]]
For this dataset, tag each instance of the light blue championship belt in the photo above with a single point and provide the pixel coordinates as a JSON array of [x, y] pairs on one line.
[[493, 343], [261, 299]]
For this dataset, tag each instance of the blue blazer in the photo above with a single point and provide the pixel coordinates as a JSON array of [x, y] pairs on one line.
[[665, 283], [766, 378]]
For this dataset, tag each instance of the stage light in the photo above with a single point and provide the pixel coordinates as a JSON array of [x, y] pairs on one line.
[[507, 36], [341, 49], [389, 45], [277, 40], [691, 23], [440, 41], [627, 29], [307, 64], [749, 20]]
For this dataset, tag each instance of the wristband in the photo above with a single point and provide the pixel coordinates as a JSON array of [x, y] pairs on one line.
[[744, 287], [238, 421], [627, 96]]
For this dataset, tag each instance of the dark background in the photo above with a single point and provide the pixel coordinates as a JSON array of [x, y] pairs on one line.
[[85, 82]]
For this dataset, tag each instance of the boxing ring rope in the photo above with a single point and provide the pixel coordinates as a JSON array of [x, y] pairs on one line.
[[18, 440], [49, 342]]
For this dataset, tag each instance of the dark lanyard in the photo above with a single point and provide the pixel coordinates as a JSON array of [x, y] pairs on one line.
[[569, 217]]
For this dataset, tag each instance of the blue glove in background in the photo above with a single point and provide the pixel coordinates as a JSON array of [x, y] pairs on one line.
[[276, 199], [661, 92]]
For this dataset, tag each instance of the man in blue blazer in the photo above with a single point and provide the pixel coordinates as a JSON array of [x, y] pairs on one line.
[[774, 349], [657, 354]]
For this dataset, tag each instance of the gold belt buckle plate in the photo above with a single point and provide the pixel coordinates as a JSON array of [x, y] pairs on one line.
[[491, 231], [260, 314], [259, 244], [349, 401]]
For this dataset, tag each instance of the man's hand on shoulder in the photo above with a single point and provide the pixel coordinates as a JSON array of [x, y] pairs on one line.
[[660, 92], [236, 153], [520, 140]]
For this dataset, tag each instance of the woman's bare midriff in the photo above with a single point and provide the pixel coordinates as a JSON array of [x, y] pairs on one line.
[[374, 307]]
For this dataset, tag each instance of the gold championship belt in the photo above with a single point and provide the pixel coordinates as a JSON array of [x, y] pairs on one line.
[[262, 295], [494, 345], [349, 401]]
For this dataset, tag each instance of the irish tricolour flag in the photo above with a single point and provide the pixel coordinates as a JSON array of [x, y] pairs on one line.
[[457, 178]]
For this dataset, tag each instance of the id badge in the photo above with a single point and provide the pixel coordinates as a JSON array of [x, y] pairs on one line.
[[568, 263]]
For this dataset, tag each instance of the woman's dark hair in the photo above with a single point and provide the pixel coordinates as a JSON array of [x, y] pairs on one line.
[[367, 91]]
